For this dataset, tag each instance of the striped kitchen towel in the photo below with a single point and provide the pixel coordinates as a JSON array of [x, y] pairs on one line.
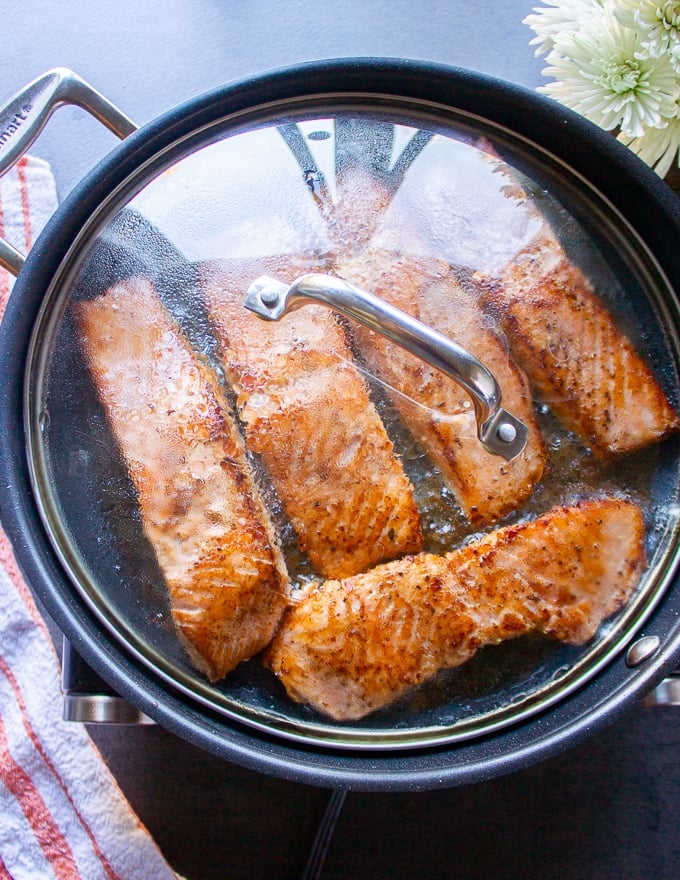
[[62, 815]]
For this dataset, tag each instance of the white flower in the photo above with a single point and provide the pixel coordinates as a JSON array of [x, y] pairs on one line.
[[563, 15], [658, 24], [658, 147], [601, 74], [617, 62]]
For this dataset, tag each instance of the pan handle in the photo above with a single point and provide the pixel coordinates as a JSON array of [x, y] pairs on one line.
[[88, 699], [667, 693], [499, 431], [25, 115]]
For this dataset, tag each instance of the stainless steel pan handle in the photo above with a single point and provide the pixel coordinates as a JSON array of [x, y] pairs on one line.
[[667, 693], [87, 697], [25, 115], [21, 121], [499, 431]]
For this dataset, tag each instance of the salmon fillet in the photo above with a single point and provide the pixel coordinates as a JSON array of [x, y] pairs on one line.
[[579, 362], [307, 414], [442, 419], [200, 508], [353, 646]]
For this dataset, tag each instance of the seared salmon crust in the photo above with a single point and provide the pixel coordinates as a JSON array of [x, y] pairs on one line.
[[201, 510], [353, 646]]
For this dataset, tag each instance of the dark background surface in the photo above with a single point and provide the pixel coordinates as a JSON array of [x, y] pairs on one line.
[[609, 807]]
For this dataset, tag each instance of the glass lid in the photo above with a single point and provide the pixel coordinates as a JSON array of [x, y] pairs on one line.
[[356, 421]]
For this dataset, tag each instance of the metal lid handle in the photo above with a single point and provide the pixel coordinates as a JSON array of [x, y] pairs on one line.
[[499, 431], [25, 115]]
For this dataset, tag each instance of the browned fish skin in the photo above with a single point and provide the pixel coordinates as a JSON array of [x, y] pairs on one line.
[[353, 646], [579, 362], [200, 509], [485, 485], [307, 413]]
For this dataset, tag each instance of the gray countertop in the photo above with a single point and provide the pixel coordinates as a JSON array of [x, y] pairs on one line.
[[150, 56], [608, 807]]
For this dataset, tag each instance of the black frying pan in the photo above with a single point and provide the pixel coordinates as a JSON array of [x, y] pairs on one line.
[[95, 238]]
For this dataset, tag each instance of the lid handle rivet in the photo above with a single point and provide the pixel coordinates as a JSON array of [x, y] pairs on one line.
[[507, 433], [269, 296]]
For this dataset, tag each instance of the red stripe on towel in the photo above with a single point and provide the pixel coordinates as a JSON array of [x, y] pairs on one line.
[[47, 833], [25, 205], [35, 740], [4, 278], [9, 564]]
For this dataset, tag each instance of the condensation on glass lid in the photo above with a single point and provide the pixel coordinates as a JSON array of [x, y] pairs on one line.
[[270, 191], [318, 408]]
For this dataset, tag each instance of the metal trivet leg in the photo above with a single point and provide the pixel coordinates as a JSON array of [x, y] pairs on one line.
[[324, 835]]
